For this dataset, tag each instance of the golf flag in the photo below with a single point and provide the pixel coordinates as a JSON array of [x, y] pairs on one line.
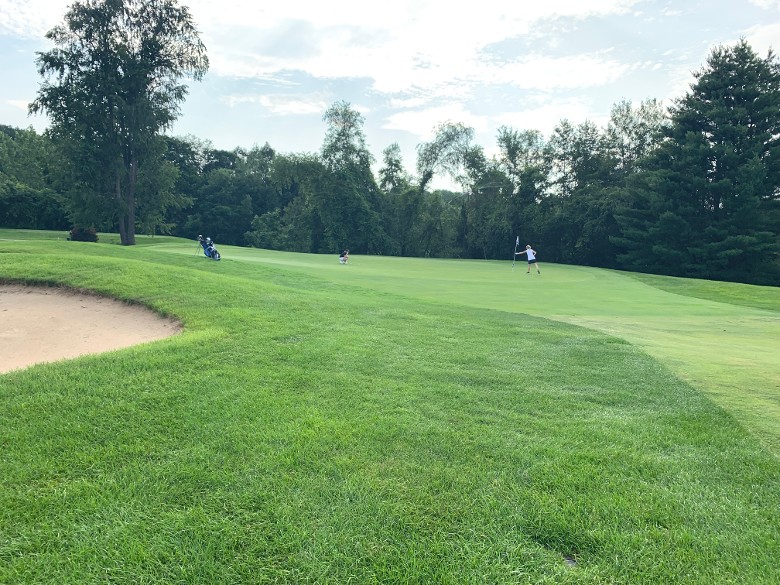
[[514, 256], [517, 242]]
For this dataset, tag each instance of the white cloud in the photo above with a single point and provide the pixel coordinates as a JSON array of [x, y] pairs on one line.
[[421, 123], [766, 4], [764, 37], [407, 103], [401, 45], [545, 116], [428, 48], [30, 19], [280, 105], [414, 64], [435, 18], [540, 72], [18, 104]]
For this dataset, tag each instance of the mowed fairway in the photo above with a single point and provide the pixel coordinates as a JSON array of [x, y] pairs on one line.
[[726, 341], [393, 421]]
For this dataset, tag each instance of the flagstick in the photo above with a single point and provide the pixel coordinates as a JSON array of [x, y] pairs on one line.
[[514, 256]]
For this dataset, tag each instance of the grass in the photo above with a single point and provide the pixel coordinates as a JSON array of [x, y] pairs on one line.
[[758, 297], [390, 421], [719, 337]]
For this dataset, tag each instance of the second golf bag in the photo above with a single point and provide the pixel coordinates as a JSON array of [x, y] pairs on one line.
[[209, 249]]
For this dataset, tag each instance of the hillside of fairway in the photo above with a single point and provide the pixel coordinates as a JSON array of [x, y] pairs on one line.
[[393, 421]]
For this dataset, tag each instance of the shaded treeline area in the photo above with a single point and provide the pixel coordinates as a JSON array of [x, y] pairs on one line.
[[690, 190]]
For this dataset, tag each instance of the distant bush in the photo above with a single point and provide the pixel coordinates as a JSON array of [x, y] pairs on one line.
[[82, 234]]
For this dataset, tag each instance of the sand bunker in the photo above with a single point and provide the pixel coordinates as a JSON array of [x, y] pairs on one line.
[[40, 324]]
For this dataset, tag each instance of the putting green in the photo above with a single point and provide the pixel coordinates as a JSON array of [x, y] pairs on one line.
[[731, 352]]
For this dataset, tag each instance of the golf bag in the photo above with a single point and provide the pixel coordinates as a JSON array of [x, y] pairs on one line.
[[209, 249]]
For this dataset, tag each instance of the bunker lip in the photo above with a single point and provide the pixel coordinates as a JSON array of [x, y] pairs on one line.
[[45, 324]]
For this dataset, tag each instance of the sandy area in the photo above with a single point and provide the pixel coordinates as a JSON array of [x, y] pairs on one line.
[[39, 324]]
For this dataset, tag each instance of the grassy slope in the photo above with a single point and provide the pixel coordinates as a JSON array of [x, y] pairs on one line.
[[307, 428], [720, 337], [758, 297]]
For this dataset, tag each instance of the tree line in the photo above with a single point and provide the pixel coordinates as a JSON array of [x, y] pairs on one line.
[[689, 190]]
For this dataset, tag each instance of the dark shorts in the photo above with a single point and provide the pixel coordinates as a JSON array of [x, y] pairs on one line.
[[532, 261]]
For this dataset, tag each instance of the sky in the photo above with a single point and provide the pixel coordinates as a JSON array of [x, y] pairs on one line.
[[410, 65]]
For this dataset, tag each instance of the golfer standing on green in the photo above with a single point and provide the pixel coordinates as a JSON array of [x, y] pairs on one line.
[[531, 254]]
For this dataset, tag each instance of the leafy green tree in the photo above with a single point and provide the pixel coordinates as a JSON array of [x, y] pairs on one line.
[[451, 154], [217, 191], [269, 231], [254, 175], [113, 84], [591, 164], [486, 221], [401, 205], [159, 199], [30, 174], [215, 158], [632, 133], [346, 198], [439, 224], [562, 160], [524, 160], [445, 153], [26, 156], [222, 208], [344, 146], [23, 207], [584, 226], [392, 175], [293, 175], [295, 223], [573, 223], [579, 228], [185, 154]]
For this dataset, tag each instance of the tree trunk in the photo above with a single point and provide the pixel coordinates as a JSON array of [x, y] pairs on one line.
[[121, 215], [132, 180]]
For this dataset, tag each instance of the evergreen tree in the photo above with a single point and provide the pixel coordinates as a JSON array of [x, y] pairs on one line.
[[707, 206]]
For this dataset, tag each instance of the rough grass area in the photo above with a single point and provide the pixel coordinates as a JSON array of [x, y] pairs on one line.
[[758, 297], [309, 427]]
